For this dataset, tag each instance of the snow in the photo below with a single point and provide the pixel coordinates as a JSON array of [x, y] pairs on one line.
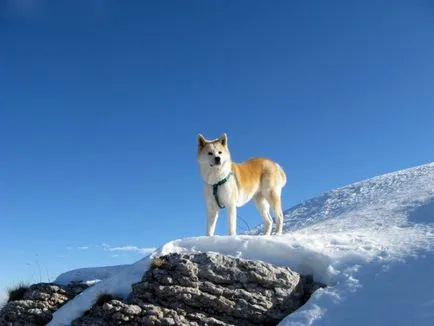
[[90, 274], [371, 242]]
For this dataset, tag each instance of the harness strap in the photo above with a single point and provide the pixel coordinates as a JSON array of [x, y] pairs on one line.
[[215, 188]]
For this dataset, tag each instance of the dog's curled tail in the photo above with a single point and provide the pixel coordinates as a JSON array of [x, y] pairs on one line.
[[282, 175]]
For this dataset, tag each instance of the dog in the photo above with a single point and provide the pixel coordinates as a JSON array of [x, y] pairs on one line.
[[231, 185]]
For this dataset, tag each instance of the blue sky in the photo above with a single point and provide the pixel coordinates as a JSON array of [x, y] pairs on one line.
[[101, 103]]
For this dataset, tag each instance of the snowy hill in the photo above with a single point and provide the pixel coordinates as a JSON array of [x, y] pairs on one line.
[[371, 242]]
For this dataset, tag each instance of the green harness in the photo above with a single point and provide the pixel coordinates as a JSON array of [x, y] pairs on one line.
[[215, 188]]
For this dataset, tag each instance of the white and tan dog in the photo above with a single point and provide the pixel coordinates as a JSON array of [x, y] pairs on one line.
[[231, 185]]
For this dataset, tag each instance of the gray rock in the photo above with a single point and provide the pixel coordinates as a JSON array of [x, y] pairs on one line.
[[38, 304], [133, 310], [206, 289], [179, 289]]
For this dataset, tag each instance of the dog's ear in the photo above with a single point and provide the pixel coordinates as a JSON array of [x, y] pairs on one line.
[[201, 141], [223, 139]]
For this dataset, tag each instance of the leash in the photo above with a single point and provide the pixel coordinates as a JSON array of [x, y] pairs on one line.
[[244, 221], [215, 188]]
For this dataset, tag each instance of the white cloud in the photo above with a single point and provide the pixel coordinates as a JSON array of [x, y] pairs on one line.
[[83, 248], [143, 251]]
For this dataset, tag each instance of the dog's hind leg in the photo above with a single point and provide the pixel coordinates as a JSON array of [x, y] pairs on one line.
[[276, 205], [264, 209]]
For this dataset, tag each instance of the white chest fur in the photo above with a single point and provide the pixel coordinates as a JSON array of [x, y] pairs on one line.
[[226, 193]]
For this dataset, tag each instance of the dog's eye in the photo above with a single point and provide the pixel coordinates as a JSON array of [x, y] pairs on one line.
[[220, 152], [209, 153]]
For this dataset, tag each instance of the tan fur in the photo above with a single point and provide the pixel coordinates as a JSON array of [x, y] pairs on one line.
[[259, 178], [258, 173]]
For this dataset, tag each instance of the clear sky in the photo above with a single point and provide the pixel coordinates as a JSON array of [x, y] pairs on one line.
[[101, 103]]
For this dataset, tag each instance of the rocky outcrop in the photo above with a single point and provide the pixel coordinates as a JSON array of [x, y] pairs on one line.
[[179, 289], [206, 289], [38, 303]]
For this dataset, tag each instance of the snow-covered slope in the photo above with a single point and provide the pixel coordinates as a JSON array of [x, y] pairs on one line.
[[372, 242]]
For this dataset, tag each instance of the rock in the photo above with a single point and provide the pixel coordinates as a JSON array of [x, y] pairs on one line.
[[133, 310], [206, 289], [113, 312], [179, 289], [38, 304]]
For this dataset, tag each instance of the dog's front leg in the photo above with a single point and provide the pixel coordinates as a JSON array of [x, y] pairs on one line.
[[213, 215], [232, 219]]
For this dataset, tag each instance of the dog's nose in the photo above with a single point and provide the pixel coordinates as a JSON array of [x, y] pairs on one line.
[[217, 160]]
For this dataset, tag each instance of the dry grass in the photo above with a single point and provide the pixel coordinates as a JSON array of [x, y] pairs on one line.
[[17, 293], [158, 262]]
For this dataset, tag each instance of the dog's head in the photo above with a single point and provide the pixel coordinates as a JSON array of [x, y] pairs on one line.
[[213, 153]]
